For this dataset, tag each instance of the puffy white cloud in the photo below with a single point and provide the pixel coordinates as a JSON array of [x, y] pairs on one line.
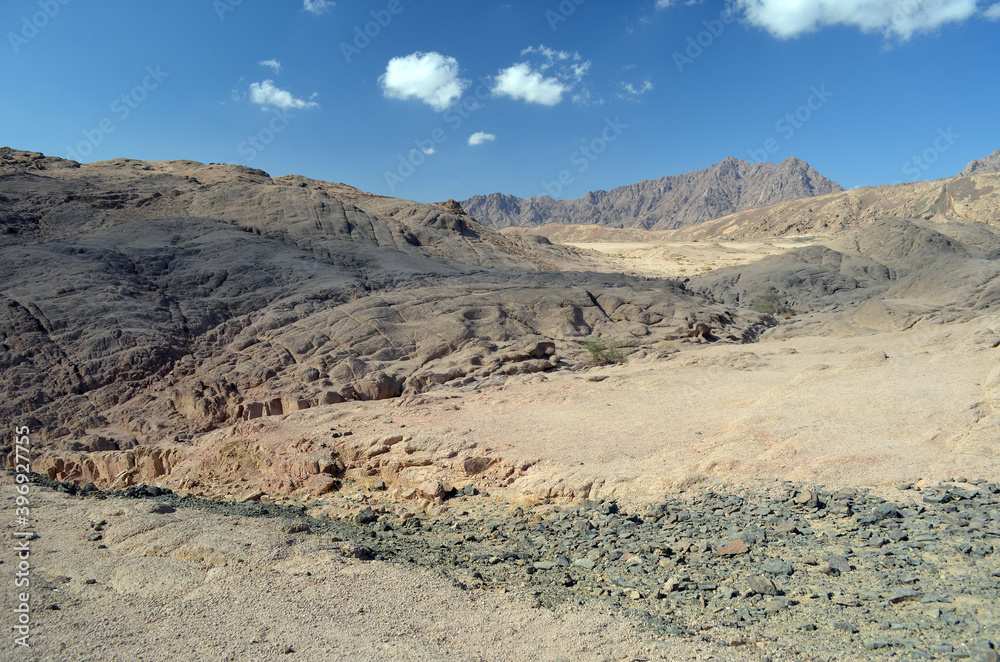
[[894, 18], [521, 82], [535, 84], [480, 137], [317, 6], [267, 94], [272, 64], [428, 77], [993, 12]]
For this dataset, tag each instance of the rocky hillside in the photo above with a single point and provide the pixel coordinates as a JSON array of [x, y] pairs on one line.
[[666, 203], [144, 302], [972, 198], [990, 163]]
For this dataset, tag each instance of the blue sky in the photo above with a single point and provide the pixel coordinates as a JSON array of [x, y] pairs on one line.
[[431, 100]]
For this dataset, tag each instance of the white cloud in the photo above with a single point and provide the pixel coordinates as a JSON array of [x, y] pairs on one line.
[[521, 82], [273, 64], [993, 12], [894, 18], [428, 150], [663, 4], [551, 55], [317, 6], [634, 91], [534, 83], [428, 77], [480, 137], [266, 94]]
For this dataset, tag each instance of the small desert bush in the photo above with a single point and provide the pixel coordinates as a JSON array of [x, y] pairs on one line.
[[772, 304], [605, 352]]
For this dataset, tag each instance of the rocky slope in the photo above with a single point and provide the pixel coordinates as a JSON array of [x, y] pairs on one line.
[[972, 198], [990, 163], [145, 303], [666, 203]]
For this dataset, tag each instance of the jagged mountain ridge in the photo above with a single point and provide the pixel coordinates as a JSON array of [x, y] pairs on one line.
[[663, 204]]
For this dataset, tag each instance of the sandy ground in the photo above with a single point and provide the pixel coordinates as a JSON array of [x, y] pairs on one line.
[[685, 258], [874, 409]]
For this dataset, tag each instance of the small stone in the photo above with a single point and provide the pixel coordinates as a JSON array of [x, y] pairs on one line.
[[90, 581], [845, 601], [366, 516], [584, 563], [94, 537], [776, 566], [846, 627], [762, 585], [53, 607], [838, 564], [902, 595], [786, 527], [734, 548], [432, 489]]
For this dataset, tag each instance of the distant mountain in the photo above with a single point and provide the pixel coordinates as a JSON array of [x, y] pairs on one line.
[[989, 164], [666, 203], [971, 197]]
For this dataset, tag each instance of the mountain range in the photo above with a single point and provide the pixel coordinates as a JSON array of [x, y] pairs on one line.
[[667, 203]]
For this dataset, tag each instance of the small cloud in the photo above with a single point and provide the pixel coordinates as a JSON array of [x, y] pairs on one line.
[[317, 7], [544, 83], [551, 55], [272, 64], [428, 150], [663, 4], [266, 94], [428, 77], [993, 12], [480, 137], [521, 82], [630, 91]]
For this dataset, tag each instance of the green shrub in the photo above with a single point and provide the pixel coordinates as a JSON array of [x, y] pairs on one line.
[[772, 304], [605, 352]]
